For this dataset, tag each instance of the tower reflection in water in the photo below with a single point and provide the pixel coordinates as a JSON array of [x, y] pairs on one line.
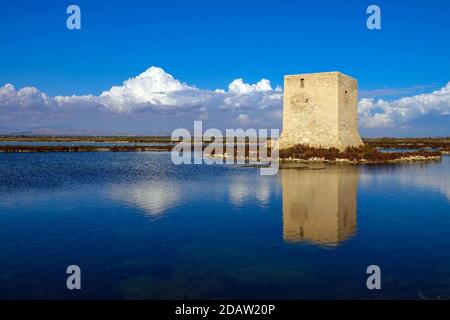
[[319, 205]]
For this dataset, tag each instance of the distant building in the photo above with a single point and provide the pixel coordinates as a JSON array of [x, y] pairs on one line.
[[320, 110]]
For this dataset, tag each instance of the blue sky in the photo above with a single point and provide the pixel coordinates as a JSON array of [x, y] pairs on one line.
[[208, 44]]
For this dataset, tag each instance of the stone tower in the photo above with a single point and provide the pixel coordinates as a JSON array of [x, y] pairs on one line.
[[320, 110]]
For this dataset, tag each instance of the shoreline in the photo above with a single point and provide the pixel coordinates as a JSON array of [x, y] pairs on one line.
[[426, 149], [48, 149], [343, 161]]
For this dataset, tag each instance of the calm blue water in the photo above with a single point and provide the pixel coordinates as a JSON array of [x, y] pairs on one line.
[[78, 143], [140, 227]]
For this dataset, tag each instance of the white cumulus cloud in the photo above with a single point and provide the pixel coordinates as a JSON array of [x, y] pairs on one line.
[[27, 97], [152, 87], [240, 87], [154, 96], [380, 113]]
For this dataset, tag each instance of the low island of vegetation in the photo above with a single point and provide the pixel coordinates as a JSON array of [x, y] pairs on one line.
[[375, 150]]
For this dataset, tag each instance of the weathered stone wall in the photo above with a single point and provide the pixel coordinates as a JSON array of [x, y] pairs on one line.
[[348, 112], [320, 110]]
